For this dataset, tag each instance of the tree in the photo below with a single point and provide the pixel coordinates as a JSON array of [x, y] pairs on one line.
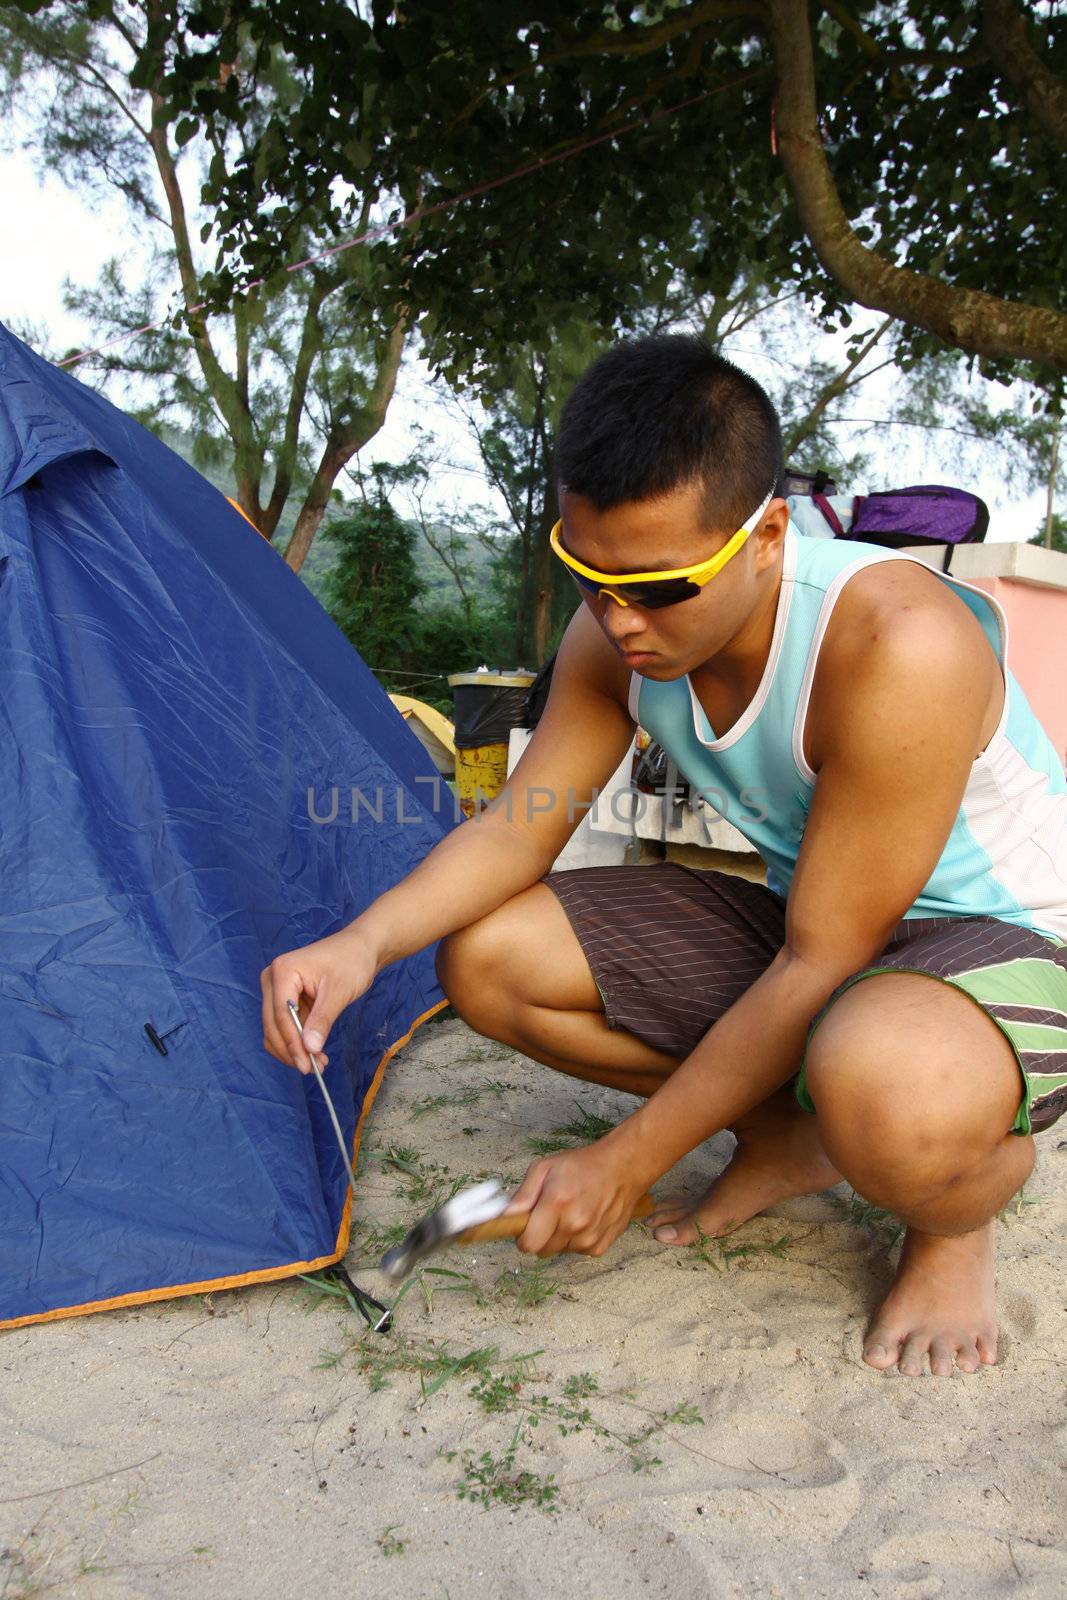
[[295, 377], [373, 586], [515, 423], [1053, 535], [410, 637], [917, 168]]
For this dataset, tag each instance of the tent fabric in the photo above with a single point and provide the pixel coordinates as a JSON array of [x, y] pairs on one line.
[[180, 721]]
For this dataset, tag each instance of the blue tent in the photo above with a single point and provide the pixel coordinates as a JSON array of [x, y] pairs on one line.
[[170, 693]]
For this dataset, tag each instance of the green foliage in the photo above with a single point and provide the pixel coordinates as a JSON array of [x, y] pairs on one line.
[[935, 154], [389, 1541], [716, 1253], [284, 382], [373, 586], [490, 1480], [528, 1286], [1058, 540], [882, 1224], [374, 592], [584, 1128]]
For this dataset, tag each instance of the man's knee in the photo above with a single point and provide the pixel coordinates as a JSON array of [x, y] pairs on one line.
[[860, 1090], [471, 968], [912, 1084], [892, 1099]]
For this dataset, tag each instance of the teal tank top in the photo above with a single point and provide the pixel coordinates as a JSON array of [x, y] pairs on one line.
[[1007, 854]]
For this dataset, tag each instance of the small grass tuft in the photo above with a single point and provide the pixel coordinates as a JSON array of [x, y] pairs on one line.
[[389, 1543], [432, 1103], [585, 1128], [888, 1229], [529, 1286], [490, 1480], [1014, 1207]]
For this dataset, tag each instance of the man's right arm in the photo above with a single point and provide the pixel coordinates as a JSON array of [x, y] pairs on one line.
[[580, 740]]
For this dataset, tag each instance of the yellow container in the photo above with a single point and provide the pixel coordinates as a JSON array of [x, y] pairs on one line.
[[481, 773], [486, 703]]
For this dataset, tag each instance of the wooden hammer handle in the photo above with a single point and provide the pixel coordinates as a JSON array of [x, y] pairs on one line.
[[509, 1227]]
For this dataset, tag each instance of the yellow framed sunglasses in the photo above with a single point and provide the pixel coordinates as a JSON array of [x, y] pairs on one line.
[[654, 590]]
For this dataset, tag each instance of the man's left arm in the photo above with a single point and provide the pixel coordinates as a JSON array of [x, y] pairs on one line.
[[904, 714]]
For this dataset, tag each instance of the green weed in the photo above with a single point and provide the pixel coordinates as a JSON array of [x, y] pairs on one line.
[[887, 1228], [389, 1543], [585, 1128], [424, 1183], [490, 1480], [716, 1254], [758, 1247], [1014, 1207], [529, 1286], [433, 1364]]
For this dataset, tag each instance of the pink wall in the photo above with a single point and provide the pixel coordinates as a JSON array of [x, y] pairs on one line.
[[1037, 648]]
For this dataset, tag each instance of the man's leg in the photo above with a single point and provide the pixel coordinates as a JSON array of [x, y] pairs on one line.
[[520, 976], [916, 1090]]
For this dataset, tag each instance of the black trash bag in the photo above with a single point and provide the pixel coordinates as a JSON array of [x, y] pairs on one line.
[[485, 713], [537, 694]]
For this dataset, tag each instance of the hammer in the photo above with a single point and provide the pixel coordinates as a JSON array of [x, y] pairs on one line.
[[470, 1217]]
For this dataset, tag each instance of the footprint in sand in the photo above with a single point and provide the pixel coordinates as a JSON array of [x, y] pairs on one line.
[[968, 1561], [700, 1337], [740, 1339], [769, 1446], [1020, 1313]]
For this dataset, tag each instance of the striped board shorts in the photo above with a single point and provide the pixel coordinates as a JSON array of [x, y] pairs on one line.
[[672, 947]]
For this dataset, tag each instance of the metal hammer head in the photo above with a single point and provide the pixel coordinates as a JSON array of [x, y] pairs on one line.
[[443, 1226]]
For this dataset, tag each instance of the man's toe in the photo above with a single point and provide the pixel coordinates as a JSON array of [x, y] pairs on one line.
[[967, 1357], [881, 1350], [913, 1356], [942, 1356], [678, 1232]]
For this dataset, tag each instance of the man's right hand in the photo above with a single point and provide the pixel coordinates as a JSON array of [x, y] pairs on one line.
[[321, 979]]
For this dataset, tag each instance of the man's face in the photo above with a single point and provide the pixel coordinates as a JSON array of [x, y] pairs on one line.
[[658, 535]]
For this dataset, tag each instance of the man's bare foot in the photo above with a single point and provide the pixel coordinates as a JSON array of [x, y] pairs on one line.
[[778, 1156], [941, 1307]]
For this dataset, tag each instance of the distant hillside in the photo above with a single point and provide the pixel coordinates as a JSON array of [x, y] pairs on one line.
[[440, 589]]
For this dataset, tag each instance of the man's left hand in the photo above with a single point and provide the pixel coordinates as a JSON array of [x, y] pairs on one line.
[[579, 1200]]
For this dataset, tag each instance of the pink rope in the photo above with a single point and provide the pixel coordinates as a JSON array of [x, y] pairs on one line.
[[383, 230]]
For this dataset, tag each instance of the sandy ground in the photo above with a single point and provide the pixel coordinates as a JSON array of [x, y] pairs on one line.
[[659, 1422]]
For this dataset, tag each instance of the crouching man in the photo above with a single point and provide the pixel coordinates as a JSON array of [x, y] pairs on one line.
[[892, 1008]]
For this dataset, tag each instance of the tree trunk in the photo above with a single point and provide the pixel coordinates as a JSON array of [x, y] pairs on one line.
[[342, 446], [1053, 468], [1043, 94], [543, 562], [979, 323], [838, 385]]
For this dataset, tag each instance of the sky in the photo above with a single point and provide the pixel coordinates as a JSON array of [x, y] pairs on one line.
[[60, 235]]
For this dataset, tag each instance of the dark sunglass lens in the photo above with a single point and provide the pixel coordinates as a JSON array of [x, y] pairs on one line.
[[586, 584], [667, 592]]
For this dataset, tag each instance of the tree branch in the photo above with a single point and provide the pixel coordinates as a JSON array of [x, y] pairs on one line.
[[837, 386], [643, 41], [285, 457], [869, 46], [344, 440], [1043, 93], [966, 318], [224, 389]]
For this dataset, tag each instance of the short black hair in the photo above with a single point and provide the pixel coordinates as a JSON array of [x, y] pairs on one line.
[[654, 414]]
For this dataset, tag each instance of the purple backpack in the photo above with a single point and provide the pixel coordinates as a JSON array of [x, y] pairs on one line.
[[927, 514]]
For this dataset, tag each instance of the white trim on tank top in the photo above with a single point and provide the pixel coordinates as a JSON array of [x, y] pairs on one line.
[[756, 704], [830, 599], [633, 695]]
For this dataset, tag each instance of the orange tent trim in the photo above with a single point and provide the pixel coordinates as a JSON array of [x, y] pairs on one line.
[[251, 524], [267, 1274]]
